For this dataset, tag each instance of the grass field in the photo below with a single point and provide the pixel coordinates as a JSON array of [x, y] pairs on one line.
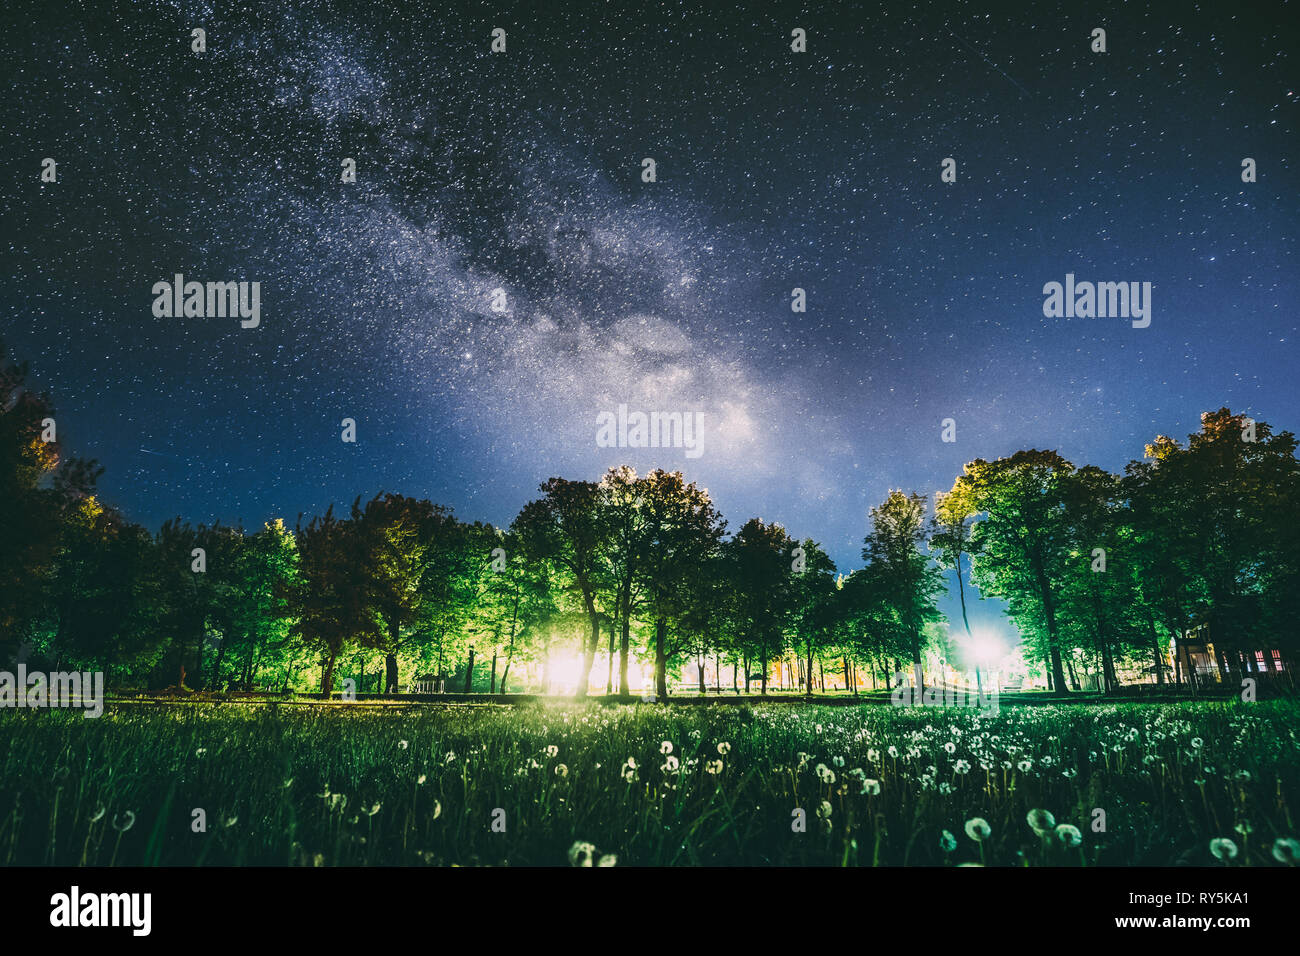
[[653, 785]]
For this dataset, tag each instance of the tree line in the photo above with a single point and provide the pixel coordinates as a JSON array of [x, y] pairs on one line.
[[1095, 569]]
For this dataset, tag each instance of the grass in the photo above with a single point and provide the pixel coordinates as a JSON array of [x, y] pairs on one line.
[[877, 785]]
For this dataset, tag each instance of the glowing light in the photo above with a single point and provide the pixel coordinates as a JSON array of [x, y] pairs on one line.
[[566, 672], [985, 647]]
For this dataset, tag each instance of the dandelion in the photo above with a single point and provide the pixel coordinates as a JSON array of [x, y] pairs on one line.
[[1197, 743], [403, 744], [1286, 850], [947, 842], [1040, 820], [450, 758], [1025, 766], [607, 859], [714, 767], [873, 756], [892, 751], [670, 765], [724, 748], [1223, 848], [580, 853], [978, 829], [870, 787], [1068, 834], [666, 747], [98, 815], [628, 772], [419, 781], [961, 766], [437, 809], [552, 751], [561, 770], [824, 810], [838, 761], [950, 747], [124, 821], [374, 809], [201, 751]]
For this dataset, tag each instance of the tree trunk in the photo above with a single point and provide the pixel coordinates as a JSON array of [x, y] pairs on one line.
[[216, 667], [661, 657], [763, 676], [589, 646], [390, 673], [198, 657], [469, 672], [327, 675], [492, 688], [1074, 678], [609, 677], [624, 645], [1155, 649]]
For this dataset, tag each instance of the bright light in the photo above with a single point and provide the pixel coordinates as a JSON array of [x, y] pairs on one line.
[[985, 648], [566, 672]]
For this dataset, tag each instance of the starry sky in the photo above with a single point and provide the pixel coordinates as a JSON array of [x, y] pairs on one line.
[[522, 171]]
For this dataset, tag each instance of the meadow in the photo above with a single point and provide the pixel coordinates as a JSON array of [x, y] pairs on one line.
[[561, 783]]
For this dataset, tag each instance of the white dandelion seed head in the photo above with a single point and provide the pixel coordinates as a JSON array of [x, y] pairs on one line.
[[1040, 820], [1223, 848], [978, 829]]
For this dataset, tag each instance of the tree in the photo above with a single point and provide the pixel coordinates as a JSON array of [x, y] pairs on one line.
[[905, 582], [567, 528], [623, 501], [397, 535], [329, 600], [1022, 542], [816, 606], [760, 560], [950, 541], [40, 490], [102, 609], [265, 567], [683, 534], [1212, 518]]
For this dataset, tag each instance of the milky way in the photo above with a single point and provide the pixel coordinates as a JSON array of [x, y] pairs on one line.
[[522, 171]]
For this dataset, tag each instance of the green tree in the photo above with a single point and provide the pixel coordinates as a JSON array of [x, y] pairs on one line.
[[1022, 542], [567, 528], [905, 582], [40, 491]]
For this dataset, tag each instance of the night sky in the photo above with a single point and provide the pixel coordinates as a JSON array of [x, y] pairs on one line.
[[522, 171]]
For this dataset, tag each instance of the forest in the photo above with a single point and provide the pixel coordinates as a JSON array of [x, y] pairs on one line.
[[1092, 567]]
